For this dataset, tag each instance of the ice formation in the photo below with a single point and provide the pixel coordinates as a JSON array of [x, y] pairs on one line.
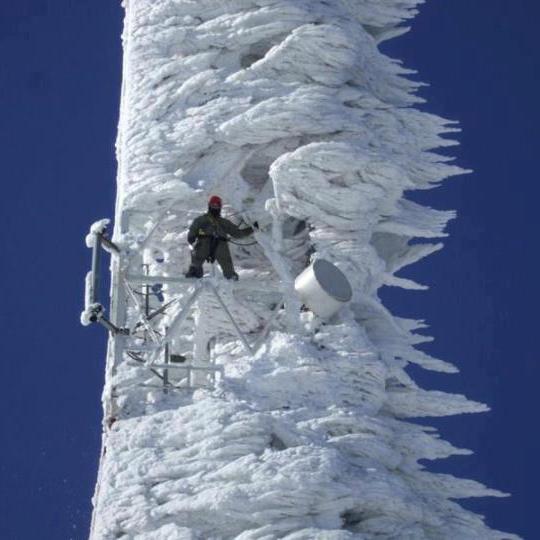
[[289, 111]]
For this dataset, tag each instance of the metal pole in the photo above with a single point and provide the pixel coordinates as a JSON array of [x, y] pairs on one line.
[[146, 268], [163, 308], [166, 371], [237, 328], [140, 310], [139, 278], [181, 317], [96, 263], [108, 245], [206, 369], [267, 326], [111, 327]]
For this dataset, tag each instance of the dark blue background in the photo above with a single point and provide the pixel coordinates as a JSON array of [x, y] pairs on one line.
[[60, 70]]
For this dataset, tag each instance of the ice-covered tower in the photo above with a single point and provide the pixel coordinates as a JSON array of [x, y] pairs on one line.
[[232, 410]]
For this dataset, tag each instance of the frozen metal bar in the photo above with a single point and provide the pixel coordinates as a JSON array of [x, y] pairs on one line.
[[88, 290], [108, 245], [166, 370], [144, 347], [146, 293], [267, 326], [163, 308], [141, 278], [141, 313], [112, 327], [237, 328], [207, 369], [96, 263], [181, 317]]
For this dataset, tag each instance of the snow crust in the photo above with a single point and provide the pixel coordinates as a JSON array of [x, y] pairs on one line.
[[99, 227], [289, 111]]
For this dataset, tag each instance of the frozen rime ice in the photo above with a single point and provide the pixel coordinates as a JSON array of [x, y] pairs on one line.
[[98, 227], [288, 110]]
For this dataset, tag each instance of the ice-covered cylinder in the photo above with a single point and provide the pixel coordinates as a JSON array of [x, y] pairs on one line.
[[323, 288]]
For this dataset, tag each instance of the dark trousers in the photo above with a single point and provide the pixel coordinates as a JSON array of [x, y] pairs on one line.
[[222, 255]]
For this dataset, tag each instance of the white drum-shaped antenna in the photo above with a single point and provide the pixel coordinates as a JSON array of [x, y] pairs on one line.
[[323, 288]]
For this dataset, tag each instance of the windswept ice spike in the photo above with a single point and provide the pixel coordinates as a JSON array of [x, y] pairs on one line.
[[289, 112]]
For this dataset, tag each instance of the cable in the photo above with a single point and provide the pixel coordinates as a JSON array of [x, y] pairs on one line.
[[241, 243]]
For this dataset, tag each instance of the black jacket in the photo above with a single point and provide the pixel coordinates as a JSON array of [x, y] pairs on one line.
[[208, 226]]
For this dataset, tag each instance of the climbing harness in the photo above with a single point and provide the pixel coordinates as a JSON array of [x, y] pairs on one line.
[[214, 243]]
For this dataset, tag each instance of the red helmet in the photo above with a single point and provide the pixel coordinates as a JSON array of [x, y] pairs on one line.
[[215, 202]]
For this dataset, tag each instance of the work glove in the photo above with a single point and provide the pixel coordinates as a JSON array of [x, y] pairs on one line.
[[256, 225]]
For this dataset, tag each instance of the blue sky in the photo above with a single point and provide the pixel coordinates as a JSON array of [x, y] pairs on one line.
[[60, 72]]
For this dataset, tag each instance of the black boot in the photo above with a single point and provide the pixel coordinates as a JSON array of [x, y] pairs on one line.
[[194, 272]]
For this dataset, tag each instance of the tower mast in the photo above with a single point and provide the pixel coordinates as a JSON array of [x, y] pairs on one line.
[[263, 408]]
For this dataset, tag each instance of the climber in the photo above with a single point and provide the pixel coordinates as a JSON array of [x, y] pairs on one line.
[[209, 234]]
